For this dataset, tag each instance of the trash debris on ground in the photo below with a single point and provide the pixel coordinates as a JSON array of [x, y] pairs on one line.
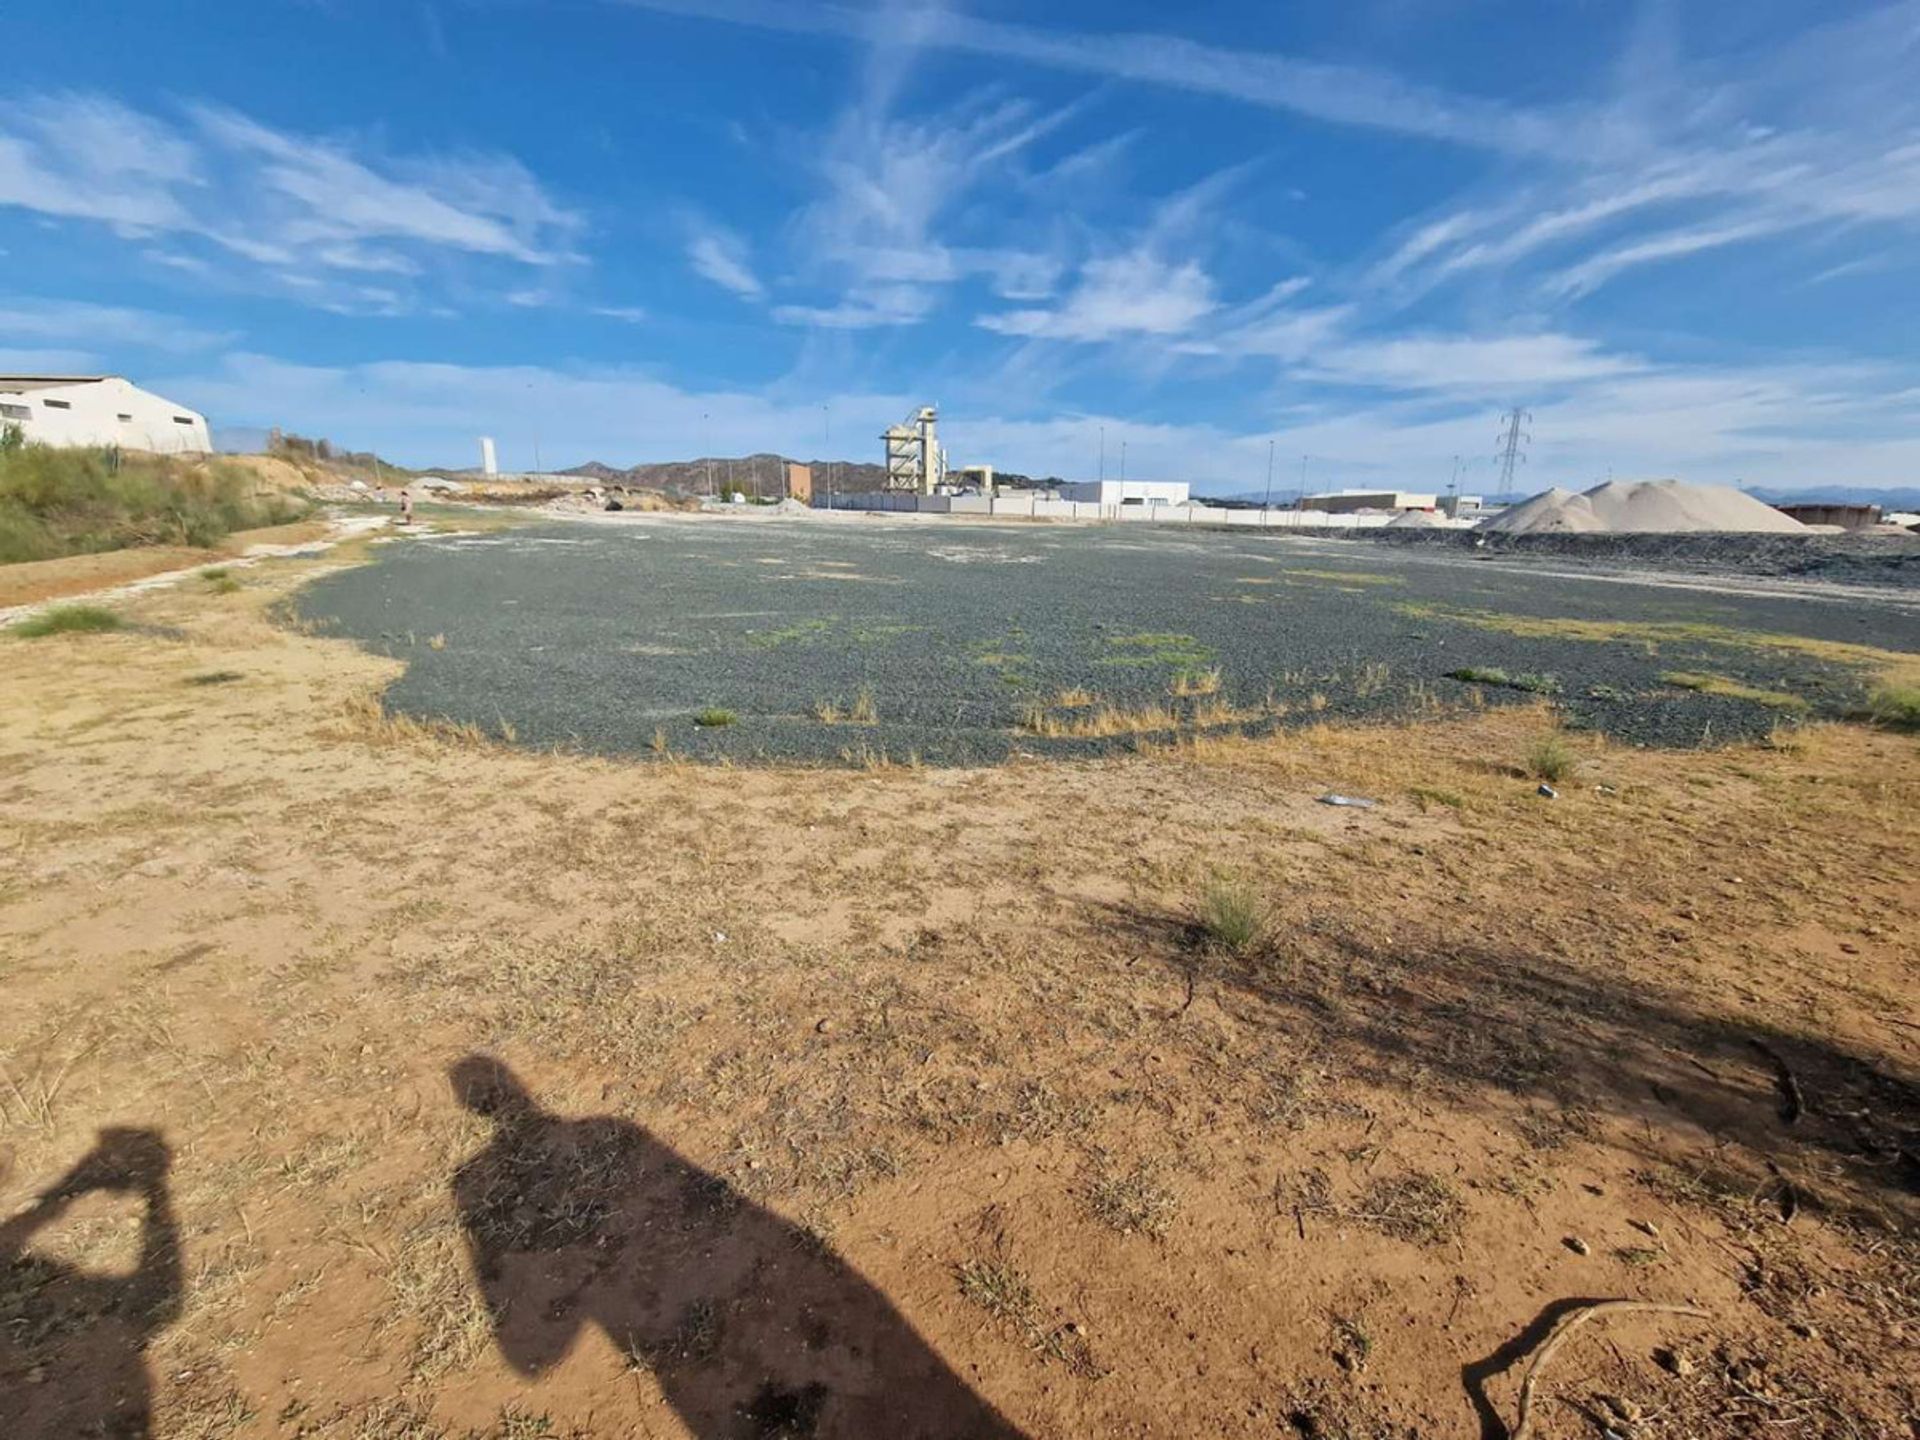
[[1548, 791], [1348, 802]]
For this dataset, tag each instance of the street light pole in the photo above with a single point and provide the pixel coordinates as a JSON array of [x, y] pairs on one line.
[[1267, 503], [826, 449], [706, 444], [1103, 453]]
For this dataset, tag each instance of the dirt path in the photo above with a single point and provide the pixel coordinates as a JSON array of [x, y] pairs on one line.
[[422, 1087]]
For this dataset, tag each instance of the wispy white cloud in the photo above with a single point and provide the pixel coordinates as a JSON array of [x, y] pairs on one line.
[[1133, 294], [718, 254], [631, 314], [1340, 94], [284, 204], [103, 326]]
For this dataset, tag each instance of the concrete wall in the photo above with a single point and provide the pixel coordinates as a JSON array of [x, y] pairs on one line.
[[1112, 492], [1028, 505], [105, 412]]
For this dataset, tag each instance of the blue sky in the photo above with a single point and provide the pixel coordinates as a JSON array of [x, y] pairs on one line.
[[1686, 237]]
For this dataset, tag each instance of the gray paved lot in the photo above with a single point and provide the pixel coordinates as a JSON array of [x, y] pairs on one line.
[[604, 635]]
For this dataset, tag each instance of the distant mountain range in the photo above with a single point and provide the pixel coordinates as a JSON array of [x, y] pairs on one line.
[[763, 473]]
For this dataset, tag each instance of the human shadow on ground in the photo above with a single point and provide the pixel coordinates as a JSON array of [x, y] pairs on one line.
[[752, 1328], [73, 1342]]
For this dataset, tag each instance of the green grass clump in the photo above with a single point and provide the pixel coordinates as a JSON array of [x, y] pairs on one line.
[[76, 502], [1895, 706], [1232, 913], [68, 620], [1706, 684], [220, 582], [1490, 675], [1551, 759], [714, 718]]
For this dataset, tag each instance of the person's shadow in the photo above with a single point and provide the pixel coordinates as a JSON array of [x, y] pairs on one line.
[[751, 1327], [73, 1343]]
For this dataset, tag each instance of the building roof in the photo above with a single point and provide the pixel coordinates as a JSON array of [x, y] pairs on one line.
[[17, 383]]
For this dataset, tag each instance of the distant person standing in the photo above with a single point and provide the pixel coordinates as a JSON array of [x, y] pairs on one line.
[[406, 507]]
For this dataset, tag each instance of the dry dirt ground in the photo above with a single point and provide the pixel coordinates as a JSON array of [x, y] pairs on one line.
[[360, 1080]]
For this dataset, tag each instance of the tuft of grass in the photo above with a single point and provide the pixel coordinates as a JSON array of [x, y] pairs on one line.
[[1195, 682], [826, 712], [215, 677], [1551, 758], [68, 620], [714, 718], [436, 642], [1533, 684], [1232, 913], [1425, 795], [1003, 1292], [1133, 1202], [1708, 684], [1419, 1208], [864, 711], [220, 581], [1895, 706], [1075, 698]]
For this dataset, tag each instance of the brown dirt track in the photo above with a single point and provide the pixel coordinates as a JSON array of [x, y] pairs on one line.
[[912, 1102]]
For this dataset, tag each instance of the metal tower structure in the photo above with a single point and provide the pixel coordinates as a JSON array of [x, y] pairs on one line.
[[915, 460], [1510, 453]]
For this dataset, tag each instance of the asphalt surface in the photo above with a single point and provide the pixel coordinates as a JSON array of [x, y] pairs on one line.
[[606, 636]]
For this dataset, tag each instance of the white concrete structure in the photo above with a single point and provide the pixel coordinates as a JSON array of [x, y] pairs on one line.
[[1122, 492], [1345, 502], [76, 410], [488, 465]]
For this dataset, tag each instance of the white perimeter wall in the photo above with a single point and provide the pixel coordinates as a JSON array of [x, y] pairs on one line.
[[92, 417], [1032, 507]]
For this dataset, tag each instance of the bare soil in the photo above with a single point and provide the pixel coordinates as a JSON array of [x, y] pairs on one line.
[[36, 580], [360, 1077]]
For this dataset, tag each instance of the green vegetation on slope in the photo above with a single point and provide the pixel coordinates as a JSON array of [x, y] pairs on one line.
[[74, 502]]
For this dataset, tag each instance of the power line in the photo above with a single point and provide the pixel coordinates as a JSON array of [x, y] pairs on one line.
[[1510, 453]]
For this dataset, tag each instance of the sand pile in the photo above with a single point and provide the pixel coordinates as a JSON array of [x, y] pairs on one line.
[[1416, 520], [1644, 507]]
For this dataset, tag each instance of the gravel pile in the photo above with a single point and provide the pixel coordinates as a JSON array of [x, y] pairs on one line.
[[1643, 507]]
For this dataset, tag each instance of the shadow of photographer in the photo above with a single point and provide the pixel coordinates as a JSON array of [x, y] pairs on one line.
[[752, 1328], [73, 1342]]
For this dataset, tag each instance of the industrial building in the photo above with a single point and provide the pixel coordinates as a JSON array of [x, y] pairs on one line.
[[1346, 502], [102, 410], [1127, 492], [1820, 512]]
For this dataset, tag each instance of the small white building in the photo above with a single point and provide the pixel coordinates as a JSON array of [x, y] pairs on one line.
[[1127, 492], [87, 410]]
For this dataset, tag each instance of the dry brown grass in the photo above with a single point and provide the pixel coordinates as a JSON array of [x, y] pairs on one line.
[[266, 920]]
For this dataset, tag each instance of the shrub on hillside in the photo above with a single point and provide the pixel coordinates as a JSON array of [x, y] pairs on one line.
[[72, 502]]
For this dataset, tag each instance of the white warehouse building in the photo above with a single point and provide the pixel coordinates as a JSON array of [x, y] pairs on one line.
[[1127, 492], [87, 410]]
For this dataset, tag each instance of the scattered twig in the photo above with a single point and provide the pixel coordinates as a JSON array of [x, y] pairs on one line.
[[1571, 1322]]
